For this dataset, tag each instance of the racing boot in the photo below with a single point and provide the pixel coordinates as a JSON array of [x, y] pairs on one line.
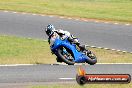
[[82, 47], [90, 54], [86, 51]]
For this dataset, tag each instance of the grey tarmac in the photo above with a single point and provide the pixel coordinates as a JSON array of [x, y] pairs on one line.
[[56, 73], [100, 34]]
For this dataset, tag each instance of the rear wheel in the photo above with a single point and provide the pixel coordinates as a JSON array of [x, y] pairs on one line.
[[92, 58], [66, 55], [59, 59]]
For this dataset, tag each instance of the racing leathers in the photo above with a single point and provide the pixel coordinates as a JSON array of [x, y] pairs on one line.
[[65, 34]]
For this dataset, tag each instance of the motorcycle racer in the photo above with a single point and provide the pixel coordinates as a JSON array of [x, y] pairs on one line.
[[51, 31]]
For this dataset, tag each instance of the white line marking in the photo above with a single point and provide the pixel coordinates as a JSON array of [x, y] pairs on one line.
[[78, 64], [67, 78], [127, 24], [24, 13], [69, 18], [45, 40], [93, 46], [113, 49], [96, 21], [29, 38], [17, 64], [34, 14], [42, 15], [60, 64], [14, 12], [106, 48], [106, 22], [87, 45], [77, 19], [51, 16], [6, 11], [85, 20], [119, 50], [124, 51], [61, 17], [114, 63], [116, 23], [100, 47]]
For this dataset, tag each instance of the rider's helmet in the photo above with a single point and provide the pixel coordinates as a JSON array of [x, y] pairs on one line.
[[49, 29]]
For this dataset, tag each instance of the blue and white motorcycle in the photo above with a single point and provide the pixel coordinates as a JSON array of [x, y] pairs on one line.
[[70, 53]]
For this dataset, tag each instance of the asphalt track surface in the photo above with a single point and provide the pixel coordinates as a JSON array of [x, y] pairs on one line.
[[108, 35], [92, 33], [56, 73]]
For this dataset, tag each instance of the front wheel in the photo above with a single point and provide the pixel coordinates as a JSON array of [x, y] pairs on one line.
[[66, 55], [92, 58]]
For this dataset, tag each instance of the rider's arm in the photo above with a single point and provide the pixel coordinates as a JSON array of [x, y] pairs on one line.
[[60, 32], [49, 40], [63, 34], [49, 43]]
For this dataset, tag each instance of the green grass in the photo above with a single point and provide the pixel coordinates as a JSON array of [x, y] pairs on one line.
[[15, 50], [85, 86], [113, 10]]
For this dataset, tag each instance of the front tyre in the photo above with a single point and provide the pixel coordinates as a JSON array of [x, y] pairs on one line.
[[92, 58], [67, 56]]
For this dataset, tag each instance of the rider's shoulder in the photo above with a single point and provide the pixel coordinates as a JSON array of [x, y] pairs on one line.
[[60, 31]]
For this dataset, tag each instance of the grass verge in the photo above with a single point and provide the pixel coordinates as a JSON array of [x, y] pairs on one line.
[[86, 86], [14, 50], [114, 10]]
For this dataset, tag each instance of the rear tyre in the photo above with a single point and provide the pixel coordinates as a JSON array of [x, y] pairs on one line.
[[59, 60], [92, 58], [67, 58]]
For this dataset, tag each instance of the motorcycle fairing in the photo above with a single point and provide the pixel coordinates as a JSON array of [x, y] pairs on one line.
[[78, 56]]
